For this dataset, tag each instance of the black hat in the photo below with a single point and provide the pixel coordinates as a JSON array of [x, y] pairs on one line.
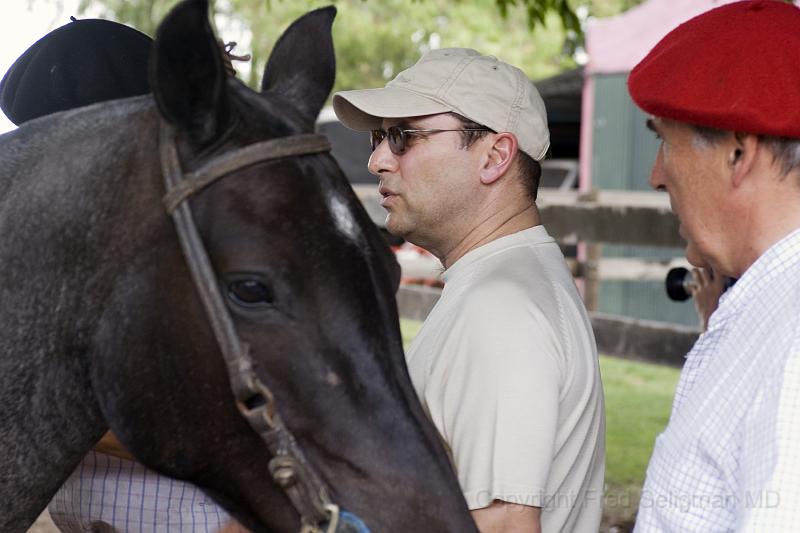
[[81, 63]]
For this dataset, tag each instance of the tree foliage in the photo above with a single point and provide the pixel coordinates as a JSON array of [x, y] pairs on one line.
[[374, 40]]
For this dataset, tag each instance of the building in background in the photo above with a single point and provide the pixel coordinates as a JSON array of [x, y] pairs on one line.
[[617, 150]]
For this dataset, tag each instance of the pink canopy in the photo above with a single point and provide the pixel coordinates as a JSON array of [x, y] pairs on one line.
[[617, 44]]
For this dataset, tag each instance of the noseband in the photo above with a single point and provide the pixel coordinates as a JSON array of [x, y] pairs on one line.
[[288, 466]]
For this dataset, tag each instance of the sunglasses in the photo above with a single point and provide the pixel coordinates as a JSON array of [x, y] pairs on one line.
[[398, 137]]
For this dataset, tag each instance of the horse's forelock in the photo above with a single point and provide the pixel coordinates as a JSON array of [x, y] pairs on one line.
[[265, 114]]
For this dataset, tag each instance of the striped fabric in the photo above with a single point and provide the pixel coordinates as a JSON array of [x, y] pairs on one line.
[[106, 493], [729, 460]]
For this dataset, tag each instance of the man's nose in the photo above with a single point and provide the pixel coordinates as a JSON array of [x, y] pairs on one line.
[[657, 175], [382, 159]]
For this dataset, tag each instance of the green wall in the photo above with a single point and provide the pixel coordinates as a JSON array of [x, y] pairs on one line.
[[623, 150]]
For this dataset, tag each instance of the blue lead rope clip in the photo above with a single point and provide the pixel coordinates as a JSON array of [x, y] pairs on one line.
[[350, 523], [338, 522]]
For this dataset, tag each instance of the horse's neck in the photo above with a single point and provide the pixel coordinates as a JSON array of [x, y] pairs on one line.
[[69, 217], [60, 225]]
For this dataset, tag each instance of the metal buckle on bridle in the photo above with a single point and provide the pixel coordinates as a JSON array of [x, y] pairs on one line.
[[288, 466], [332, 522], [255, 401]]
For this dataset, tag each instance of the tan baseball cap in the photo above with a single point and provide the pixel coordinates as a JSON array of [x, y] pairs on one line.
[[480, 88]]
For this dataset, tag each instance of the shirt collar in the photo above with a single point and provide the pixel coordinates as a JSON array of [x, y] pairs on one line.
[[780, 257]]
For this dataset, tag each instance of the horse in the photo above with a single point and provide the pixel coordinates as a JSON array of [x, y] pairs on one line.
[[105, 324]]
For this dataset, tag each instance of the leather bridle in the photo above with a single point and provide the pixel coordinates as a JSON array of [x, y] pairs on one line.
[[288, 466]]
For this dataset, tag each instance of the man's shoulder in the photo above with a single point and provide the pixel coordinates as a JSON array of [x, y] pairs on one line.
[[495, 297], [517, 272], [516, 283]]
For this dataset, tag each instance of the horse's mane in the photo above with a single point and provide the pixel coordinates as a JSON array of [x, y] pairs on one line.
[[65, 135]]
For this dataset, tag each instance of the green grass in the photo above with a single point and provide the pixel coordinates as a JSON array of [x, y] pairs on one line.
[[638, 402], [409, 329]]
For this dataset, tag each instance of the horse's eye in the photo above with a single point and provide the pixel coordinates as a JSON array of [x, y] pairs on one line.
[[249, 293]]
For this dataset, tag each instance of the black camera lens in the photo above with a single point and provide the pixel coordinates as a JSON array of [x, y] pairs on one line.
[[678, 283]]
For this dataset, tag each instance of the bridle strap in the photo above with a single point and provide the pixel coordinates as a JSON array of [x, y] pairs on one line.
[[243, 157], [255, 401]]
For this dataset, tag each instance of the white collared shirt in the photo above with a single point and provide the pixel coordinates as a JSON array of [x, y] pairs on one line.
[[729, 459]]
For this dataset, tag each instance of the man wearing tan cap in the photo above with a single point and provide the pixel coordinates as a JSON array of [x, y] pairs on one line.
[[506, 364], [723, 91]]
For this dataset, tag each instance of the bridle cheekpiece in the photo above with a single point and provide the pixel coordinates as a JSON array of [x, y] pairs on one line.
[[289, 468]]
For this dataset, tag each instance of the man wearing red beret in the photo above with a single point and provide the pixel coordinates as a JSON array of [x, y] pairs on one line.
[[723, 90]]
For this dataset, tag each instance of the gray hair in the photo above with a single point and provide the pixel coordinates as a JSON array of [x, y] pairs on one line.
[[528, 167], [785, 150]]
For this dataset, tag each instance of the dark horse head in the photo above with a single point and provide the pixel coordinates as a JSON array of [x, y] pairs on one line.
[[102, 325]]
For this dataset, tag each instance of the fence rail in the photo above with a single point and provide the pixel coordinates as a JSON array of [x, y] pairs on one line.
[[611, 217]]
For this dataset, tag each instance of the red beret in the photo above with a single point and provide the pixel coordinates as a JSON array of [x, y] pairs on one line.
[[736, 68]]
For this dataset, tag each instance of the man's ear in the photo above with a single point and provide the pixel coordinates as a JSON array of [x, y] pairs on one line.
[[742, 156], [499, 157]]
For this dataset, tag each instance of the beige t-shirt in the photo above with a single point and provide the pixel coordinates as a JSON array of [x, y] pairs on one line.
[[506, 367]]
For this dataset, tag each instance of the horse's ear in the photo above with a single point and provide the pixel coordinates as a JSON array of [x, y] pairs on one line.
[[302, 66], [187, 74]]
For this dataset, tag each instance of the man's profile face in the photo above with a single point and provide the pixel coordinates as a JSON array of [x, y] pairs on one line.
[[693, 173], [428, 190]]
